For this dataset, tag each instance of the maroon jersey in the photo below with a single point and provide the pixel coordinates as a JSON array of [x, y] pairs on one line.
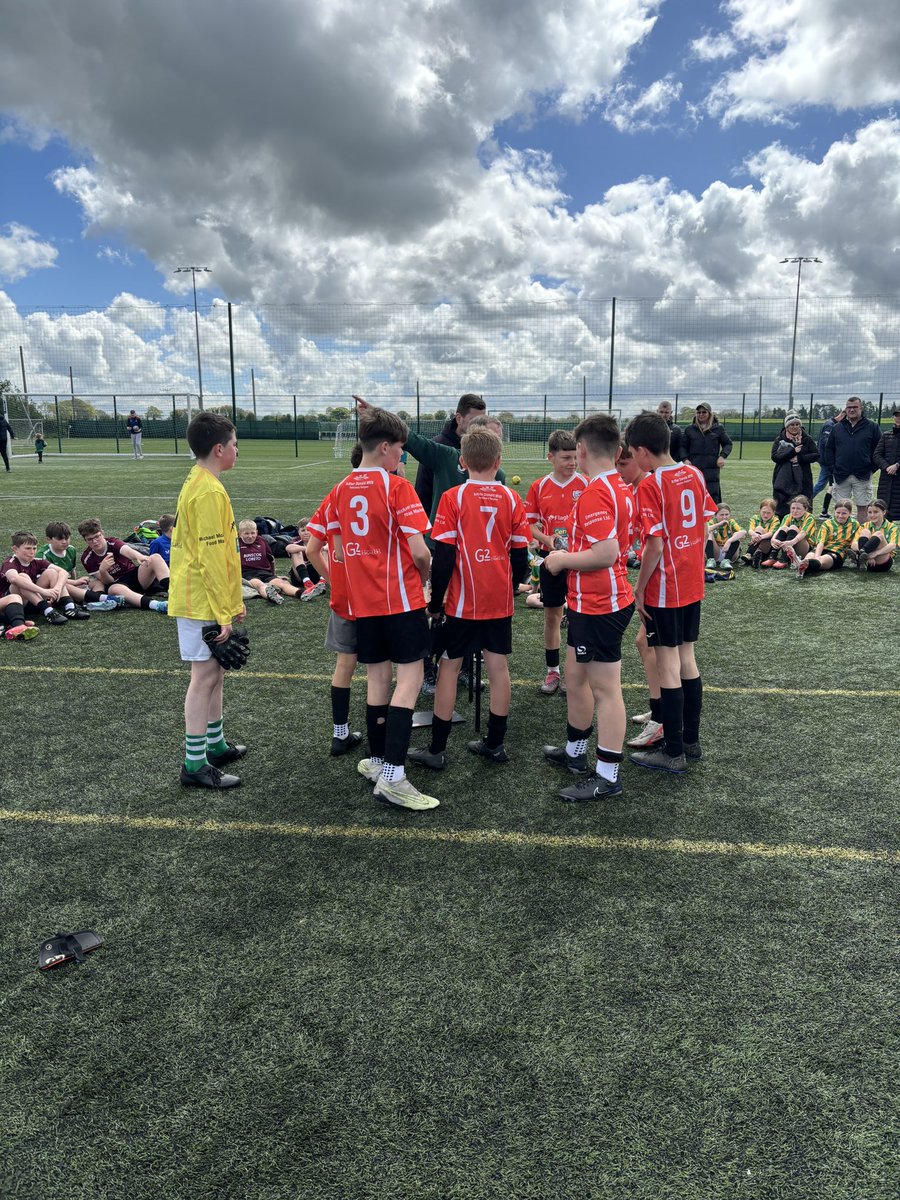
[[34, 571], [256, 556], [121, 565]]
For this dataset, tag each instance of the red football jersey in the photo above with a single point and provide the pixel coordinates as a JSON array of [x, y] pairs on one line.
[[34, 570], [376, 514], [604, 511], [549, 504], [317, 525], [121, 565], [483, 521], [675, 506]]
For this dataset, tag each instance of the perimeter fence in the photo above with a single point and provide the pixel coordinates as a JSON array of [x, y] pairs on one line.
[[286, 371]]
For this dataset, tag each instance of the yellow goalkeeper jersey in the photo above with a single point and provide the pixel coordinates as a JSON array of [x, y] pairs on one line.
[[205, 564]]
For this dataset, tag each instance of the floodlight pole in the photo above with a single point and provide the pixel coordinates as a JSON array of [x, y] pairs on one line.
[[193, 271], [799, 260]]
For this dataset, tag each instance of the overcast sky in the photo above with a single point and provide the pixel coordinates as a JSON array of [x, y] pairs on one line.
[[351, 150]]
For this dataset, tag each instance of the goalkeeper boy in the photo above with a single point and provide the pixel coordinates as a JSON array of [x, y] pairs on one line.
[[204, 591]]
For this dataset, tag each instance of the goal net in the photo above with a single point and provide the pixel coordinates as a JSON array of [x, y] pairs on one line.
[[88, 424], [25, 430], [344, 438], [526, 440]]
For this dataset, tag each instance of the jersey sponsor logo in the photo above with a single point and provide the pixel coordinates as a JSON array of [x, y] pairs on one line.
[[484, 555], [355, 550], [682, 541]]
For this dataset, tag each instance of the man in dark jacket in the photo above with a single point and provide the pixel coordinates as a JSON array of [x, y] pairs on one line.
[[887, 461], [664, 409], [849, 455], [5, 431], [469, 407]]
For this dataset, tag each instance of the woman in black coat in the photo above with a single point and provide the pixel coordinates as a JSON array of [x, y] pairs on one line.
[[887, 460], [793, 452], [706, 445]]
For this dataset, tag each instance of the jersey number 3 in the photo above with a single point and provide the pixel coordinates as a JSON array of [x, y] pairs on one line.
[[360, 506]]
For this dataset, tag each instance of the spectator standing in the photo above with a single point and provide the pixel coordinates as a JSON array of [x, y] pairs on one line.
[[5, 432], [706, 445], [850, 453], [135, 427], [468, 407], [825, 482], [664, 409], [792, 453], [887, 461]]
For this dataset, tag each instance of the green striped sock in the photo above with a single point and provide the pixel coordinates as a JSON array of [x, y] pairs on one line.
[[195, 752], [215, 738]]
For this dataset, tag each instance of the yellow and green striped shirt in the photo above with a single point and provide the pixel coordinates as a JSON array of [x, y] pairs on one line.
[[807, 525], [721, 535], [836, 539], [890, 529], [756, 522]]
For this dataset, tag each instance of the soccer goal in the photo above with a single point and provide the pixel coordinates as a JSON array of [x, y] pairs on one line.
[[344, 438], [96, 425], [25, 430], [526, 440]]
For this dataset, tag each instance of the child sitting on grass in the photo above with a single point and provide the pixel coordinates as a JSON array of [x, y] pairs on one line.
[[877, 541], [127, 575], [762, 526], [836, 536], [162, 543], [794, 536], [303, 573], [59, 551], [36, 582], [258, 566], [12, 620], [724, 540]]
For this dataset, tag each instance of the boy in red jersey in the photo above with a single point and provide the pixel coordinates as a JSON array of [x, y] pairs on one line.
[[549, 506], [378, 526], [340, 636], [600, 604], [674, 508], [480, 537]]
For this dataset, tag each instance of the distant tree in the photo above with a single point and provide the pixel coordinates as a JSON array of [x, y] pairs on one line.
[[506, 416], [439, 414], [154, 414], [338, 413], [404, 415]]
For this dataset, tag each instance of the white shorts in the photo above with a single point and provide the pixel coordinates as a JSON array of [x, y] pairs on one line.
[[855, 489], [190, 639]]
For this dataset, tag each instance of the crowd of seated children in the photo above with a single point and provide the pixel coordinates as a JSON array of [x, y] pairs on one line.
[[37, 584], [59, 551], [258, 567], [723, 542]]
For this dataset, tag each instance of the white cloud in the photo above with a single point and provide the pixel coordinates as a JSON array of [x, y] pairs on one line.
[[838, 53], [713, 46], [21, 251], [645, 110]]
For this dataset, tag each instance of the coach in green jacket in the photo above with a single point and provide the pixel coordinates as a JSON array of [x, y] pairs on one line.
[[444, 461]]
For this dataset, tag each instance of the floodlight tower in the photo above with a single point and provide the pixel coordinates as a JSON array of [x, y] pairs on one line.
[[799, 260], [193, 271]]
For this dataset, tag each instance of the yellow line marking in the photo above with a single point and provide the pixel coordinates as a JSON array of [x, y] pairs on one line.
[[859, 693], [466, 837]]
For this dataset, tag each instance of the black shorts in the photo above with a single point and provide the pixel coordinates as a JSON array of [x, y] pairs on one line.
[[265, 576], [885, 566], [399, 638], [131, 581], [458, 637], [837, 560], [673, 626], [553, 588], [597, 637]]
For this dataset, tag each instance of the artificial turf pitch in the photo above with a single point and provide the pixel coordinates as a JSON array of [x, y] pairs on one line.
[[686, 993]]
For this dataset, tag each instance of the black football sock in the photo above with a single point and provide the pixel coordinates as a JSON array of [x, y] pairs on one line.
[[672, 700], [710, 548], [295, 577], [496, 730], [48, 609], [608, 763], [440, 733], [813, 565], [693, 703], [397, 735], [577, 740], [91, 597], [826, 502], [314, 575], [145, 602], [376, 727], [656, 709], [13, 615], [68, 605], [552, 659], [869, 545], [340, 705]]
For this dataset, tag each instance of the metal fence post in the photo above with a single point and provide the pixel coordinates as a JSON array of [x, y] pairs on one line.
[[612, 350], [231, 357], [296, 445], [418, 409], [880, 407], [58, 438], [174, 425], [743, 406], [116, 424]]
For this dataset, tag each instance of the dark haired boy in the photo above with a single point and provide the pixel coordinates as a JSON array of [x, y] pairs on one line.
[[601, 605], [35, 581], [59, 551], [127, 575], [674, 507], [204, 591], [549, 507], [480, 535], [162, 543], [377, 526]]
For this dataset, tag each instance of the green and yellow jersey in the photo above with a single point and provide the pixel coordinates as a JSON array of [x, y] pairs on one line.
[[205, 565], [890, 530], [757, 523], [807, 526], [721, 535], [837, 539]]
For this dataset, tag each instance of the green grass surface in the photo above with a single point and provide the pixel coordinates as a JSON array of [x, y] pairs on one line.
[[277, 1015]]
